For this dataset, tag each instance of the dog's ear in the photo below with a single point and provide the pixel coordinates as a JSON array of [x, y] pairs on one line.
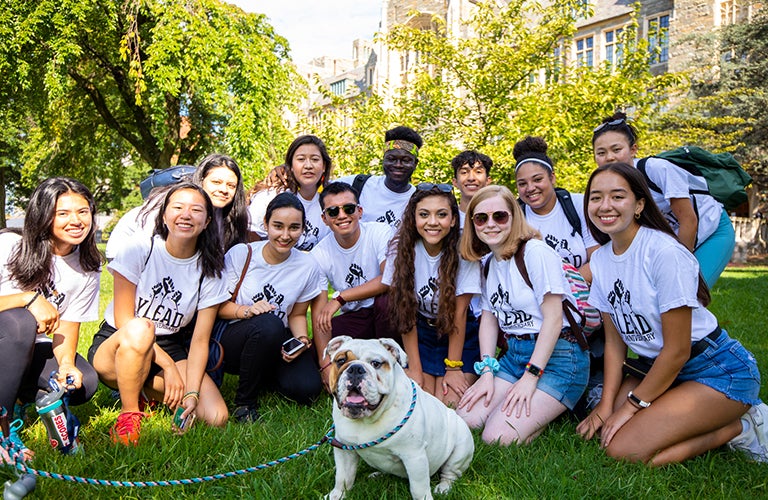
[[397, 352], [334, 344]]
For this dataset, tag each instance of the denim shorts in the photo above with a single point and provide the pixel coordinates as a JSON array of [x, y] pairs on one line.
[[565, 376], [434, 350], [726, 366]]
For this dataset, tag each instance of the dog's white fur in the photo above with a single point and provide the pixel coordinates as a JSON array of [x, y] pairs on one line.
[[373, 394]]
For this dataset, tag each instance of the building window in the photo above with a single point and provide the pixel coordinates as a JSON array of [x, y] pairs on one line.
[[658, 38], [339, 88], [613, 46], [585, 51], [555, 66]]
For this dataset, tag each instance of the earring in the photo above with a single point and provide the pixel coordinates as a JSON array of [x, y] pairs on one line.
[[637, 216]]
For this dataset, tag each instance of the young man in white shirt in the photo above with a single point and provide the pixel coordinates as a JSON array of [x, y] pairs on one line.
[[385, 196], [352, 260], [471, 172]]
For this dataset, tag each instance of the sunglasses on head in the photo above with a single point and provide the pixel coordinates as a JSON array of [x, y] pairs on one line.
[[333, 212], [429, 186], [499, 217]]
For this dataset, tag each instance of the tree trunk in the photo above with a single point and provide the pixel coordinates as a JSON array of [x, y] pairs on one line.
[[2, 198]]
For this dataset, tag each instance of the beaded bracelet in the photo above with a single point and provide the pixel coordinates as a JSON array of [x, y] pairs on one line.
[[487, 361], [449, 363], [191, 394]]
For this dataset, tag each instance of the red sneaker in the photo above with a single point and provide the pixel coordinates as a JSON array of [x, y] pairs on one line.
[[146, 405], [127, 428]]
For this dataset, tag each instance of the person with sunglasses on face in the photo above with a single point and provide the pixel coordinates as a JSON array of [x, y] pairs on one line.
[[544, 371], [432, 287], [385, 196], [699, 220], [306, 170], [351, 259]]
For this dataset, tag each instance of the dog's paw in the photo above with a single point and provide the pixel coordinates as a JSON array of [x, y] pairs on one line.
[[443, 487], [335, 494]]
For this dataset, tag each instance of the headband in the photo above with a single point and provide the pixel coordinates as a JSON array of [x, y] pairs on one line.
[[402, 144], [541, 159]]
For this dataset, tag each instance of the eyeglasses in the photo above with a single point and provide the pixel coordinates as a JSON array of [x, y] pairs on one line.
[[499, 217], [429, 186], [333, 212]]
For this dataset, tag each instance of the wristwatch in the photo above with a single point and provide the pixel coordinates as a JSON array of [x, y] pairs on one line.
[[338, 298]]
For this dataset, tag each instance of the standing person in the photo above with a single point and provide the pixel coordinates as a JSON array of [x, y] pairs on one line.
[[269, 309], [351, 259], [699, 221], [220, 177], [471, 172], [49, 285], [307, 168], [648, 288], [160, 284], [385, 196], [556, 214], [544, 371], [432, 287]]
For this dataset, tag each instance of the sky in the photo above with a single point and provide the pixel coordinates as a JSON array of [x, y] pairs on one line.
[[318, 27]]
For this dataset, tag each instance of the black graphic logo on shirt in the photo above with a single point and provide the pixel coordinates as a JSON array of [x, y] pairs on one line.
[[355, 276], [426, 296], [269, 294], [633, 326], [162, 307], [50, 293], [308, 237], [390, 218], [563, 249], [509, 316]]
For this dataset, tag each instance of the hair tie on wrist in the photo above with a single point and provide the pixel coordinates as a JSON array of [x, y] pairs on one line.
[[32, 301]]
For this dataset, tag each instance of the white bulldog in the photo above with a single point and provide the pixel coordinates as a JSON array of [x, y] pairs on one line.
[[373, 396]]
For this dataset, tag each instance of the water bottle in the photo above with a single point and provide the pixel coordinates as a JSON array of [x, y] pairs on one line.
[[62, 426]]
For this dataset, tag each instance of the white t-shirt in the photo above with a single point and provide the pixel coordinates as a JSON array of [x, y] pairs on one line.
[[129, 228], [654, 275], [296, 279], [379, 203], [168, 290], [314, 230], [426, 278], [73, 292], [558, 233], [675, 182], [347, 268], [516, 306]]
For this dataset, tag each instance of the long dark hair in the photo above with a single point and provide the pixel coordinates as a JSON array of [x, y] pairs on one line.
[[234, 217], [290, 183], [402, 289], [31, 263], [650, 217], [208, 241]]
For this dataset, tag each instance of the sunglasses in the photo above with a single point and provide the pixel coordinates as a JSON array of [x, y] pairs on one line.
[[608, 124], [333, 212], [429, 186], [499, 217]]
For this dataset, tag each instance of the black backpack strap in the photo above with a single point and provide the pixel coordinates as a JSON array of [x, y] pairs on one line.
[[359, 182], [566, 201], [641, 167], [520, 263]]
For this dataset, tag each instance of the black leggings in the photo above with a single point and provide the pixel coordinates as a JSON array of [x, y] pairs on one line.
[[252, 350], [26, 366]]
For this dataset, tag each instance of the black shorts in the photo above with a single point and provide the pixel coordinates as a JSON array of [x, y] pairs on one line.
[[176, 346]]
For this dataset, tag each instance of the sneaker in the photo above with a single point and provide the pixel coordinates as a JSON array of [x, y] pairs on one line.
[[754, 439], [246, 414], [127, 428], [146, 406]]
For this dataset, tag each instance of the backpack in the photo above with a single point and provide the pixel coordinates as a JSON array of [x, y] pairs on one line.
[[725, 178], [165, 177], [590, 320], [359, 182], [566, 201]]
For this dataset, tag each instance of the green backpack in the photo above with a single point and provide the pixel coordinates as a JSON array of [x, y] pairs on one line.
[[726, 179]]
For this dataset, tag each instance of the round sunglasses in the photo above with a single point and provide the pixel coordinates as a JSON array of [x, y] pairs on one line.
[[499, 217]]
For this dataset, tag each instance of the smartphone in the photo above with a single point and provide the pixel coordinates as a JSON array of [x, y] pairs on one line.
[[182, 423], [292, 346]]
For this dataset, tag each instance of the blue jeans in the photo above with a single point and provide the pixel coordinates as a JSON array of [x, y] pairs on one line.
[[434, 350]]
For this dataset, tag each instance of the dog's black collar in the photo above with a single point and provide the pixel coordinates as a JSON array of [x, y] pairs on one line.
[[338, 444]]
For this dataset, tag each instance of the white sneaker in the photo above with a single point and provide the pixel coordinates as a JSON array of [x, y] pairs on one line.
[[754, 440]]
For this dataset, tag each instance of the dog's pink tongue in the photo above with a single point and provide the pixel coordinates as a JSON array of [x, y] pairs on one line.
[[355, 399]]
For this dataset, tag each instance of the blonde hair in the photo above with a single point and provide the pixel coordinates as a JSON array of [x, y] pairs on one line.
[[473, 249]]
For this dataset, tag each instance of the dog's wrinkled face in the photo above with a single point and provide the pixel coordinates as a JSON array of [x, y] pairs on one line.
[[362, 373]]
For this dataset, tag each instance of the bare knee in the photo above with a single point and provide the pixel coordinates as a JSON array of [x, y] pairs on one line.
[[625, 452], [137, 335]]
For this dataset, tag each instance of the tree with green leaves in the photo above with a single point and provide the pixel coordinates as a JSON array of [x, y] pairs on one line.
[[489, 90], [109, 90]]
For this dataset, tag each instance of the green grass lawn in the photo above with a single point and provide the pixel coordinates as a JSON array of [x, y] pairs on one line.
[[558, 464]]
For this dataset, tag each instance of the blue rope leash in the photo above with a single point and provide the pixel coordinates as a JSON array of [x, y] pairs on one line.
[[22, 467]]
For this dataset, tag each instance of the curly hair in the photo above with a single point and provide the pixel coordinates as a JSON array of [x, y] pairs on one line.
[[402, 290]]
